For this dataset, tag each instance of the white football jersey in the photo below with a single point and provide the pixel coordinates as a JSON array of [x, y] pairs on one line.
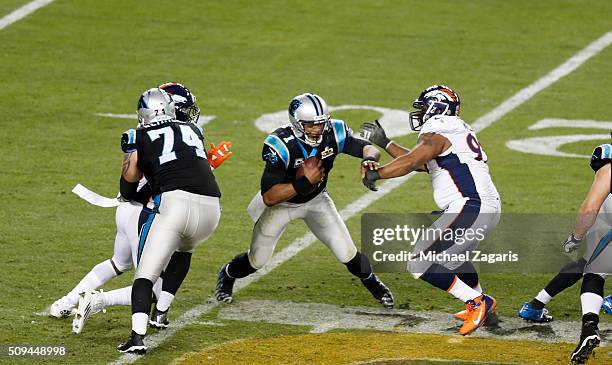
[[461, 171]]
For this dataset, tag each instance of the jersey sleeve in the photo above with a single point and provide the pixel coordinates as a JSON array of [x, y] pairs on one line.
[[435, 125], [275, 170], [275, 152], [602, 155], [128, 141], [346, 142]]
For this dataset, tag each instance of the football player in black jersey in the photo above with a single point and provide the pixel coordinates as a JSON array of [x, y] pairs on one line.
[[288, 197], [170, 154]]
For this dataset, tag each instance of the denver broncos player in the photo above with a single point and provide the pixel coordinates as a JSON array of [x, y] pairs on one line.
[[594, 224], [287, 197], [449, 151]]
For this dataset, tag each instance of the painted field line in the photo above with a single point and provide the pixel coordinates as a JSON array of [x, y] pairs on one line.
[[367, 199], [22, 12]]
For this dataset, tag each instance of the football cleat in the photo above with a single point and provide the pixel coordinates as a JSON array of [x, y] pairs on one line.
[[225, 286], [134, 344], [62, 308], [479, 310], [159, 319], [462, 316], [528, 313], [606, 306], [379, 291], [589, 340], [90, 303]]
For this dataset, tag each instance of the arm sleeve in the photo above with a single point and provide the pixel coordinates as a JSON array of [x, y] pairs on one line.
[[354, 146], [128, 189], [274, 172]]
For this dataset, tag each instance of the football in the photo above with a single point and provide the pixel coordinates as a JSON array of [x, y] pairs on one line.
[[312, 161]]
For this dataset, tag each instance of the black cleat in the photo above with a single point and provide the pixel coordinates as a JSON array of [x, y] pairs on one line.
[[225, 286], [379, 291], [134, 344], [589, 340], [159, 319]]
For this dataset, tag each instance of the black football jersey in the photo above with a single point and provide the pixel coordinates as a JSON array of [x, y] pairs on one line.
[[172, 157], [284, 153]]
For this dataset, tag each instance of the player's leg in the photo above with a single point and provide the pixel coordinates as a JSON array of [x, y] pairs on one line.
[[591, 298], [599, 265], [446, 275], [203, 219], [159, 238], [266, 232], [325, 222], [568, 275], [105, 270]]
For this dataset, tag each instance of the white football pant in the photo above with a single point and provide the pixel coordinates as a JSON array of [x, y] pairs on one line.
[[321, 217]]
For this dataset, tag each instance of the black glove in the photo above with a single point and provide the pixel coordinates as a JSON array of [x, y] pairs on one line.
[[370, 177], [374, 132]]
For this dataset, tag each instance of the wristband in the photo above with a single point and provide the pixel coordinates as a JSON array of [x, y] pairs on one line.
[[369, 158], [302, 185]]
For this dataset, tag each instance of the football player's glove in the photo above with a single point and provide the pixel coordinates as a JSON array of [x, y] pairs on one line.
[[370, 178], [128, 141], [218, 154], [571, 243], [374, 132]]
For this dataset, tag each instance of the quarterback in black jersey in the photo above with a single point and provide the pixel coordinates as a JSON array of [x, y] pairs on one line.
[[285, 197], [170, 154]]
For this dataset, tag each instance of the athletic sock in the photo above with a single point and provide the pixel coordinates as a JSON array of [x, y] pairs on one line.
[[164, 301], [541, 299], [98, 276], [591, 303], [121, 296], [139, 323], [462, 291]]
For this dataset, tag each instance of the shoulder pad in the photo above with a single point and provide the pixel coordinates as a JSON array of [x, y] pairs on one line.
[[277, 144], [128, 141], [602, 155], [340, 132]]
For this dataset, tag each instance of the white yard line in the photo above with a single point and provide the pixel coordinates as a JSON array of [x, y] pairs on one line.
[[22, 12], [388, 186]]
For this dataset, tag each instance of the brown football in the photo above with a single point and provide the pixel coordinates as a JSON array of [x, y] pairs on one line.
[[312, 161]]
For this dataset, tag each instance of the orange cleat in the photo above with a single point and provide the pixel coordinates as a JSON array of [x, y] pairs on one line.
[[462, 316], [478, 310]]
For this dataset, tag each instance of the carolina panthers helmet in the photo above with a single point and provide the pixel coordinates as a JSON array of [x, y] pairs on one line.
[[602, 155], [436, 99], [305, 109], [154, 105], [184, 101]]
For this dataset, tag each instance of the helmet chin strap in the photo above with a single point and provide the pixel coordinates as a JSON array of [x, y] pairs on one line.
[[311, 142]]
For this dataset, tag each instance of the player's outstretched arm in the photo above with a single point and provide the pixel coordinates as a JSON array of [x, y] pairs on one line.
[[600, 189], [428, 147]]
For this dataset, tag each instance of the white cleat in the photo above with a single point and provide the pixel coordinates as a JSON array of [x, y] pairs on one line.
[[62, 308], [90, 303]]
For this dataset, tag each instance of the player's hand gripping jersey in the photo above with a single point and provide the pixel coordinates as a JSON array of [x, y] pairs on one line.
[[172, 157], [461, 171], [284, 153]]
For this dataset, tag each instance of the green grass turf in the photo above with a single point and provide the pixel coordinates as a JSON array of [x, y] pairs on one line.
[[72, 59]]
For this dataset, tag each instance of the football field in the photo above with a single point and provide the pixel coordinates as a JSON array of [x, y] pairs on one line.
[[534, 79]]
